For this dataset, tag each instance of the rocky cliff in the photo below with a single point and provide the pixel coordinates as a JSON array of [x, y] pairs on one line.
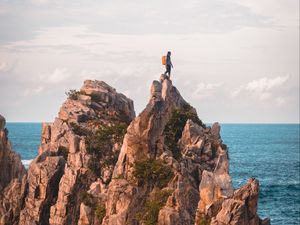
[[99, 164]]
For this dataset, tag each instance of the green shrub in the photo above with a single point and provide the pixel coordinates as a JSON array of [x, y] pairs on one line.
[[100, 140], [105, 137], [203, 221], [87, 199], [152, 172], [174, 127], [73, 94], [100, 211], [79, 130], [149, 214], [63, 151], [100, 143]]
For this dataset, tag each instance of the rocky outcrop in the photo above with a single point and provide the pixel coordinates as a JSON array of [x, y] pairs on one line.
[[99, 164], [12, 172], [10, 163], [43, 178], [168, 132]]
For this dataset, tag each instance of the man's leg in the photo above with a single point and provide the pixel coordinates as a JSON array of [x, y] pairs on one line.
[[166, 70], [169, 70]]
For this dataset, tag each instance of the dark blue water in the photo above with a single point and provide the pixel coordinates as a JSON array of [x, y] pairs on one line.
[[271, 154], [265, 151], [25, 139]]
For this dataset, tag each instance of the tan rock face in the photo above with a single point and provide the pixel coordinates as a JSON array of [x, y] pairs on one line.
[[42, 180], [169, 169], [12, 172], [239, 208], [10, 163]]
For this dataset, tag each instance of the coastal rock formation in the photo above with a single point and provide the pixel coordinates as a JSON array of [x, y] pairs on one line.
[[99, 164], [11, 166], [12, 172]]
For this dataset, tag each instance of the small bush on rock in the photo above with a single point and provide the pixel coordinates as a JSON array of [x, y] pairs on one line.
[[153, 172], [73, 94], [79, 130], [203, 221], [63, 151], [100, 211], [87, 199], [174, 127], [100, 145], [149, 214]]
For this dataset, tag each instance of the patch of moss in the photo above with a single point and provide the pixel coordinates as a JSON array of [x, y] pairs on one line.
[[174, 127], [152, 172], [100, 211], [149, 214], [63, 151]]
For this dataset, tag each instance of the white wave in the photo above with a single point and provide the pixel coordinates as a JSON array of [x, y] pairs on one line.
[[26, 162]]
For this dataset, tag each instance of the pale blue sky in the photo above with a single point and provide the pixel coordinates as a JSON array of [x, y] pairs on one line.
[[234, 60]]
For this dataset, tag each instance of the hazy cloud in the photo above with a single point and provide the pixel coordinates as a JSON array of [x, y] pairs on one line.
[[205, 90], [33, 91], [3, 66], [263, 87], [57, 76]]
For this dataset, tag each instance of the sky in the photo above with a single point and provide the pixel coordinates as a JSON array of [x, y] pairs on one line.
[[235, 61]]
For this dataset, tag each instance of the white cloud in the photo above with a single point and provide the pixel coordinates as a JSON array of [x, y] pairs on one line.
[[280, 101], [237, 91], [39, 2], [205, 90], [266, 84], [57, 76], [33, 91], [263, 87], [3, 66]]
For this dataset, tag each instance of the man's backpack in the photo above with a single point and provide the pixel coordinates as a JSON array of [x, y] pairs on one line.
[[163, 60]]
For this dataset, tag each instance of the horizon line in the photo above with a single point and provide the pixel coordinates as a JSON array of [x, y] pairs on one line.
[[204, 123]]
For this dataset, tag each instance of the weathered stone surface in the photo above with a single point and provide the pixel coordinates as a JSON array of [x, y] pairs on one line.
[[104, 94], [11, 166], [2, 122], [85, 215], [241, 207], [43, 177], [58, 212], [12, 172], [10, 198]]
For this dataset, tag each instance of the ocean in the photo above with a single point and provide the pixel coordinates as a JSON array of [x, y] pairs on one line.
[[268, 152]]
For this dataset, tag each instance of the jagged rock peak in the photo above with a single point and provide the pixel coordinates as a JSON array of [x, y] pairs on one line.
[[93, 98]]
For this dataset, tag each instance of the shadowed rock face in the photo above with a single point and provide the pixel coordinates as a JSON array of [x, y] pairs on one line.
[[11, 174], [168, 169]]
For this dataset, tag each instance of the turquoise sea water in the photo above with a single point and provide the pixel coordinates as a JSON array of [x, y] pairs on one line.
[[269, 152]]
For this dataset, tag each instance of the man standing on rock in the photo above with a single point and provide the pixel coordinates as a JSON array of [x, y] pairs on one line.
[[168, 64]]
